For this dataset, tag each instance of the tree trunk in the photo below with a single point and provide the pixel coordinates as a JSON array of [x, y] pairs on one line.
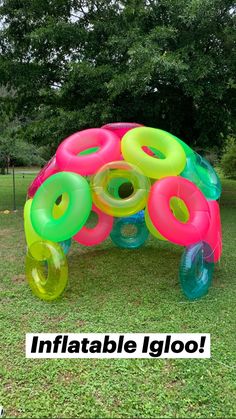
[[8, 164]]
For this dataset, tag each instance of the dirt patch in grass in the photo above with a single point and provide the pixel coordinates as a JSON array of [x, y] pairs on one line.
[[5, 232], [172, 384], [81, 323], [19, 279], [69, 377]]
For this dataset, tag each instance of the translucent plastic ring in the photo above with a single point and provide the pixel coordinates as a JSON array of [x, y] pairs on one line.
[[129, 241], [95, 235], [51, 286], [182, 233], [196, 270], [132, 149], [121, 128], [75, 214], [69, 155], [114, 205], [200, 172]]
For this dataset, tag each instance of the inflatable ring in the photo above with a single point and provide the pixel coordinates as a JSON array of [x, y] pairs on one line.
[[139, 216], [113, 205], [188, 150], [76, 213], [179, 210], [51, 286], [65, 245], [120, 188], [30, 234], [214, 235], [130, 241], [92, 236], [200, 172], [152, 229], [164, 220], [67, 153], [175, 158], [48, 170], [121, 128], [196, 270], [60, 205]]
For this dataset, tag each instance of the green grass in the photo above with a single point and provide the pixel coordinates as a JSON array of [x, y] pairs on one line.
[[6, 190], [113, 290]]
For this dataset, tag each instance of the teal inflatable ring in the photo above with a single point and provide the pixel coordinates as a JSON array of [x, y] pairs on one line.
[[196, 270], [75, 214], [129, 241], [199, 171], [65, 245]]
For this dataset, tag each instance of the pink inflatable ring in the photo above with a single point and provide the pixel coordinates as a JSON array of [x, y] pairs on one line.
[[121, 128], [68, 158], [163, 219], [99, 233]]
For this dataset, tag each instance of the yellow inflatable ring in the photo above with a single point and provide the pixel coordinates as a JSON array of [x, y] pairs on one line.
[[111, 203], [132, 150], [51, 256], [30, 233]]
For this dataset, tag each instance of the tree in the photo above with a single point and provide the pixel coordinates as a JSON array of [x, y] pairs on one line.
[[12, 147], [77, 64], [228, 161]]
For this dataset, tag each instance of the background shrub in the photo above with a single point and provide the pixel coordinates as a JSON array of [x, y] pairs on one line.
[[228, 161]]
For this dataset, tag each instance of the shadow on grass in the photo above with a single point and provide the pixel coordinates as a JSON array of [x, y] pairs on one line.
[[101, 270]]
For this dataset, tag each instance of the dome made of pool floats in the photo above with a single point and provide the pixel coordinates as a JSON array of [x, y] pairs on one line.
[[127, 174]]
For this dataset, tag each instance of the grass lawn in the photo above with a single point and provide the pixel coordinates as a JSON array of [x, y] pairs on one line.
[[113, 290]]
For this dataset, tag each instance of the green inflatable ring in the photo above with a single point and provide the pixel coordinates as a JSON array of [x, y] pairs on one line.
[[188, 150], [74, 216], [199, 171]]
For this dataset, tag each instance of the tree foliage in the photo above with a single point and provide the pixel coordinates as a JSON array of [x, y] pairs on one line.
[[13, 148], [79, 63], [228, 161]]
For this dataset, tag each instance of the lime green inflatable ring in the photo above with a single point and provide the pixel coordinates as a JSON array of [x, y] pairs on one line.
[[51, 285], [30, 234], [132, 150], [188, 150], [107, 199], [152, 229], [76, 211], [199, 171]]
